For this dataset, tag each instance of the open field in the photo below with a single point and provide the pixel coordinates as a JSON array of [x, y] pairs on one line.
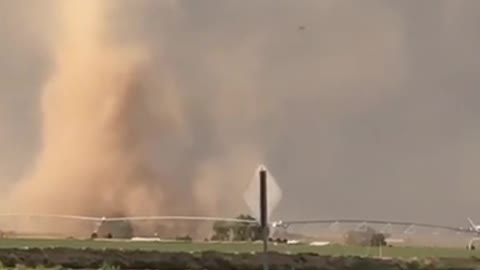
[[68, 258], [88, 254], [334, 250]]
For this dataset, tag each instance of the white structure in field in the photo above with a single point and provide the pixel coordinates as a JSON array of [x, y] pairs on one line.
[[252, 194]]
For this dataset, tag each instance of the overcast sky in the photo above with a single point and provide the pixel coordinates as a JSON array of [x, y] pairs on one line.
[[371, 107]]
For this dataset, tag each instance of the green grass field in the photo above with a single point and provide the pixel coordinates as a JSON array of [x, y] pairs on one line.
[[336, 250]]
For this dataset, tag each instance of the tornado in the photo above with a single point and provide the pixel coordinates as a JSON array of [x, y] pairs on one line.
[[94, 120]]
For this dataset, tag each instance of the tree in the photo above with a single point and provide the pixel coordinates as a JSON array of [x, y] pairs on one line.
[[221, 231], [241, 231], [248, 230], [366, 237], [378, 239]]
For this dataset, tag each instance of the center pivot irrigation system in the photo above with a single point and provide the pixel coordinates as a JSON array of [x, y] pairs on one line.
[[99, 221], [362, 223], [133, 218], [262, 196]]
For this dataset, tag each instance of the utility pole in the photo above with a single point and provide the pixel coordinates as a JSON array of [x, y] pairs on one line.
[[262, 197], [263, 216]]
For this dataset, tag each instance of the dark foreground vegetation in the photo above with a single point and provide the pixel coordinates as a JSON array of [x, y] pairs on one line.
[[95, 259]]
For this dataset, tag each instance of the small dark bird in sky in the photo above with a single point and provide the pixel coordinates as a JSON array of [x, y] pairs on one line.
[[301, 28]]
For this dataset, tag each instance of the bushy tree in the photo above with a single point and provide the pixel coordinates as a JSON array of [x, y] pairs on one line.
[[247, 231], [378, 239], [221, 231], [241, 231], [366, 237]]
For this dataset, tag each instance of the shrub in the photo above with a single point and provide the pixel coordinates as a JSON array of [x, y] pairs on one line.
[[366, 237]]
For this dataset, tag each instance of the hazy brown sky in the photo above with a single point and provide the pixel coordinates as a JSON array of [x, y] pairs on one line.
[[370, 111]]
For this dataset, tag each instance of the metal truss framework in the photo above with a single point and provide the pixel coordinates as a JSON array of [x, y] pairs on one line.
[[132, 218], [361, 223], [410, 227], [334, 224]]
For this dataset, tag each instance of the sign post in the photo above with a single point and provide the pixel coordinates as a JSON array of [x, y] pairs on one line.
[[262, 196], [263, 215]]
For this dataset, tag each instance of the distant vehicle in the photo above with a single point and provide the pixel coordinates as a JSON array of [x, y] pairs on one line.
[[294, 242], [394, 241], [320, 244], [146, 239]]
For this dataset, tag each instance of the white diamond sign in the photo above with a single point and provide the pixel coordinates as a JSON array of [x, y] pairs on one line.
[[252, 194]]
